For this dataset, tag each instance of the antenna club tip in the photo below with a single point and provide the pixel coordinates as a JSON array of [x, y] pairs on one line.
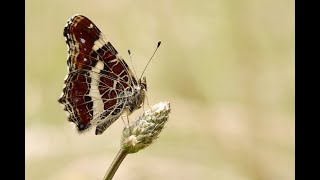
[[158, 44], [129, 52]]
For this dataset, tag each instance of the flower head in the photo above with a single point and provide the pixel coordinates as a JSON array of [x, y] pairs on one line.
[[146, 128]]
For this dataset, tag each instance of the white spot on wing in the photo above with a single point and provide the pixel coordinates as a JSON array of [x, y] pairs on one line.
[[61, 95], [82, 40], [68, 114], [99, 66], [114, 60], [98, 44]]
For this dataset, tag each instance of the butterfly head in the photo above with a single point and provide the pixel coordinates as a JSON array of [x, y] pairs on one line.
[[143, 83]]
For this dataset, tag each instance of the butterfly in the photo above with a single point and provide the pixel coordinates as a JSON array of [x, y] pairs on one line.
[[99, 86]]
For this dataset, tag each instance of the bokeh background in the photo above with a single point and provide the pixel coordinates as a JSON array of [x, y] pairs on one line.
[[226, 67]]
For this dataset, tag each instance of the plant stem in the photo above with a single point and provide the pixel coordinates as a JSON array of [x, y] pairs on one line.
[[115, 164]]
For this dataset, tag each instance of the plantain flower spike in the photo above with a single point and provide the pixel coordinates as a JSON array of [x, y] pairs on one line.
[[145, 129]]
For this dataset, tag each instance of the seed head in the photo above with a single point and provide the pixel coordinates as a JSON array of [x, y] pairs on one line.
[[146, 128]]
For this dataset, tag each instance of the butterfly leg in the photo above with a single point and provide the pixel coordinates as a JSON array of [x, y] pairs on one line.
[[147, 104], [126, 124], [128, 119]]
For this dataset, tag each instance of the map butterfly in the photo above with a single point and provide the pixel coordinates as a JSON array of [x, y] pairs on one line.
[[99, 86]]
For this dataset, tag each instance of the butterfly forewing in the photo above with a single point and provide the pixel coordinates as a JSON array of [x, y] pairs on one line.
[[99, 82]]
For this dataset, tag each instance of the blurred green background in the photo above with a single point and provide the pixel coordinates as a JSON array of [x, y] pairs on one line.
[[226, 67]]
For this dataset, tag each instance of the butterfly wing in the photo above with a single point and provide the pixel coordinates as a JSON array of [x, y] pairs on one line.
[[99, 81]]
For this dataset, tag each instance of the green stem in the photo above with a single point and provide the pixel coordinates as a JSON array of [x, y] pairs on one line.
[[115, 164]]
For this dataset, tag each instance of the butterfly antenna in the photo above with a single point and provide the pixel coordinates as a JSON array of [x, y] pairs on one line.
[[150, 58], [134, 71]]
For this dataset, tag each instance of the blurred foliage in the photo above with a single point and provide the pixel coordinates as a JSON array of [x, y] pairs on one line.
[[226, 67]]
